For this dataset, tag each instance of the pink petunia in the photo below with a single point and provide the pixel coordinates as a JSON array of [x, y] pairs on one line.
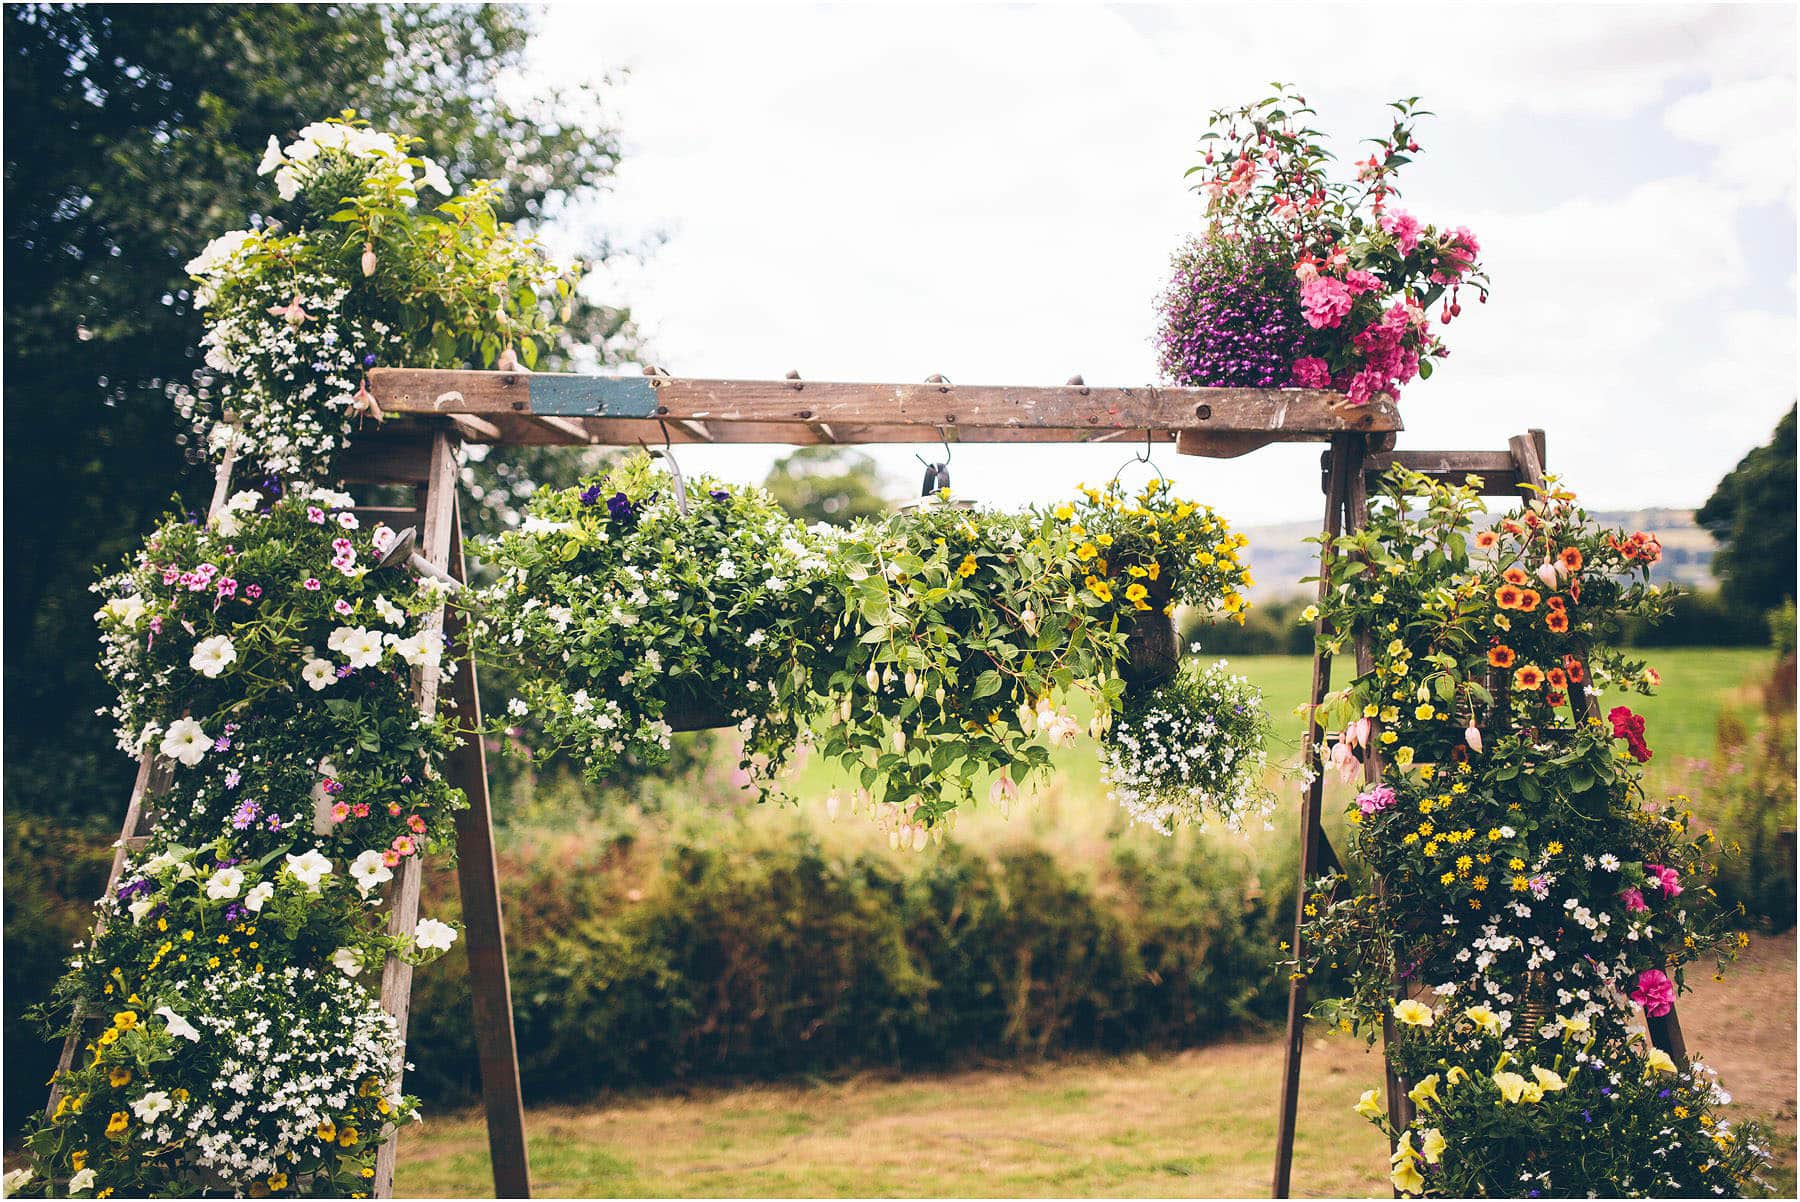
[[315, 515], [1634, 900], [1654, 992], [1325, 302], [1312, 372], [1666, 879], [312, 584]]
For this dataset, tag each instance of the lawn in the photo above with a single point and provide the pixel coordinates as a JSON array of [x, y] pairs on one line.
[[1191, 1124]]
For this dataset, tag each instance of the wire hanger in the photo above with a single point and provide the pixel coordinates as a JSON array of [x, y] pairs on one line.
[[937, 475], [667, 455], [1143, 456]]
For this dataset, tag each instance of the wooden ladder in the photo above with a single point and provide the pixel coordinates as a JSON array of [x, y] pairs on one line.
[[428, 465], [1348, 467]]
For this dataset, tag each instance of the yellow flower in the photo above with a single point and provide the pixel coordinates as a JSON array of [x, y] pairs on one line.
[[1550, 1080], [125, 1020], [1388, 736], [327, 1131], [1413, 1013], [1681, 1112], [966, 568], [1484, 1018], [347, 1137], [1390, 714], [1659, 1061], [1406, 1176], [1425, 713], [1456, 1075], [1433, 1145], [1511, 1085], [1105, 540], [1572, 1026], [1403, 758], [1233, 603], [120, 1077], [1135, 593], [1099, 588], [1064, 512], [1425, 1091], [1369, 1105], [78, 1159], [1154, 571], [277, 1181], [117, 1123], [1086, 551]]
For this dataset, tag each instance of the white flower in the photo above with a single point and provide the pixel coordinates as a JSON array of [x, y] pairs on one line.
[[390, 612], [219, 252], [226, 522], [152, 1106], [128, 611], [140, 908], [225, 884], [309, 869], [422, 650], [346, 961], [253, 900], [517, 707], [319, 673], [538, 525], [432, 176], [434, 935], [81, 1182], [287, 182], [245, 501], [212, 656], [360, 646], [1609, 862], [178, 1026], [369, 871], [186, 741], [271, 156], [14, 1179]]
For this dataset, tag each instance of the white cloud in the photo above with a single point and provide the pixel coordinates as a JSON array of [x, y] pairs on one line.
[[1750, 123]]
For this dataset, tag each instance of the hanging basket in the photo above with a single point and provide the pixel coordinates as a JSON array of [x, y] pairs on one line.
[[1152, 649], [687, 710]]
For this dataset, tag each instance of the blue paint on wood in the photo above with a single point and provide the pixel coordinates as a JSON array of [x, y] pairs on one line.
[[593, 396]]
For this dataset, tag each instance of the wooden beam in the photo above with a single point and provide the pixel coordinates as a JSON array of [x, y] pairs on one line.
[[475, 429], [972, 411]]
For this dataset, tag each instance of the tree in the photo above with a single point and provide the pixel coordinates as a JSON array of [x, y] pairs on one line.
[[1751, 515], [132, 137], [828, 484]]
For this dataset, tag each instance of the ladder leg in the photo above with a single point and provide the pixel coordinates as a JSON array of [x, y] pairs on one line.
[[485, 934], [403, 916], [1312, 836]]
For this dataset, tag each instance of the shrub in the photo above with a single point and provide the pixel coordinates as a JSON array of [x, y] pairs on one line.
[[1750, 790]]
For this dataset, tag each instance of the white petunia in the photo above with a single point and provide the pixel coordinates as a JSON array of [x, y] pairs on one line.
[[537, 525], [186, 741], [128, 611], [152, 1106], [432, 176], [434, 935], [359, 646], [178, 1026], [346, 961], [255, 899], [271, 157], [422, 650], [140, 908], [244, 501], [309, 869], [81, 1182], [225, 884], [212, 656], [390, 612], [14, 1180], [369, 871], [319, 673]]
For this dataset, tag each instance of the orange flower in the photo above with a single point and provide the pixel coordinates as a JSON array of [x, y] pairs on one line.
[[1507, 597], [1557, 620], [1555, 698], [1501, 656], [1577, 673], [1528, 601], [1571, 558], [1486, 539], [1555, 602], [1556, 678], [1517, 576], [1529, 677]]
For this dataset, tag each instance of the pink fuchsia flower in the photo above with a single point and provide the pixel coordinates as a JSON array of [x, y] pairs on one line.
[[1362, 281], [1324, 302], [1343, 758], [1312, 372], [1634, 901], [291, 312], [1666, 879], [315, 515], [1307, 268], [1654, 992], [1472, 737], [1375, 800], [1404, 227], [1360, 731]]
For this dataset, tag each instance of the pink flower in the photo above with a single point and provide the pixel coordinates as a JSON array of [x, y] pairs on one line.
[[1375, 800], [1404, 227], [1666, 879], [342, 606], [1343, 758], [1360, 731], [292, 313], [1634, 901], [315, 515], [339, 812], [1366, 386], [1654, 992], [1362, 281], [403, 844], [394, 808], [390, 858], [1312, 372], [1472, 737], [1324, 301], [312, 584], [416, 823]]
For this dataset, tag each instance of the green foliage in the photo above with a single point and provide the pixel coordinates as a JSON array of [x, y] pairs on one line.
[[1751, 513], [700, 955], [1269, 628], [132, 138], [1700, 619], [838, 485], [1749, 787]]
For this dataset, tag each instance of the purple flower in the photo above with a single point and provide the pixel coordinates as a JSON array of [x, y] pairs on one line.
[[621, 508], [369, 360], [720, 494], [590, 495], [1231, 317], [246, 814]]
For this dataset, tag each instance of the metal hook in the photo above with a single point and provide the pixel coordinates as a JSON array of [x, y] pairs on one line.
[[667, 454], [1143, 456], [937, 475]]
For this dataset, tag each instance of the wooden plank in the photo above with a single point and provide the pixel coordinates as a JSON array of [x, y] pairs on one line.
[[403, 914], [1345, 462], [1283, 413], [398, 453], [475, 429], [484, 930]]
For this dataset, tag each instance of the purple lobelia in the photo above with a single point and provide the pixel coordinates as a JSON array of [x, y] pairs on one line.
[[1230, 317]]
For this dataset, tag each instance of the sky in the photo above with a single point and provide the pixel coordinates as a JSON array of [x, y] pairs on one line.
[[993, 193]]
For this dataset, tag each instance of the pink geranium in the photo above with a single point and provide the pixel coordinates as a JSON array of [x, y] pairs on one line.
[[1404, 227], [1325, 302], [1312, 372], [1654, 992], [1634, 901], [1666, 879]]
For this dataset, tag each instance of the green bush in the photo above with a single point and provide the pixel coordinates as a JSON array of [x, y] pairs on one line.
[[1750, 793], [1700, 620], [1270, 628], [710, 954]]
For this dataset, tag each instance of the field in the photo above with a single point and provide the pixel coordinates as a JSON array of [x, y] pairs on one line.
[[1192, 1123]]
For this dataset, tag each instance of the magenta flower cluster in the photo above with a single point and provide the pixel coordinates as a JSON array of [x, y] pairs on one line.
[[1231, 318]]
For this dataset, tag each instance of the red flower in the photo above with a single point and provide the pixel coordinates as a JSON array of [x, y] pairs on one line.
[[1557, 678], [1500, 656], [1573, 667], [1630, 727]]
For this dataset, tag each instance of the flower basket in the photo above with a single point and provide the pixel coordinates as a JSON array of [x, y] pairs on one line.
[[1153, 651], [687, 710]]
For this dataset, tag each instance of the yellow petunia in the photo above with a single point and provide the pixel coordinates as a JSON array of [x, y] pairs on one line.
[[1433, 1144], [1369, 1105], [1484, 1018], [1659, 1061], [1425, 1091], [1511, 1086], [1413, 1013]]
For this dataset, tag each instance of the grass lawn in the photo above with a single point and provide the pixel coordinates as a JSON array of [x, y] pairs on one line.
[[1190, 1124]]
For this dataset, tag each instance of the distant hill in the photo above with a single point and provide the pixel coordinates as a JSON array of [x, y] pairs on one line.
[[1279, 555]]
